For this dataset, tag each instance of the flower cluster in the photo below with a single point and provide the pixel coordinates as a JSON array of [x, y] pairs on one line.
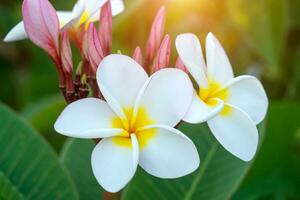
[[138, 101], [53, 30]]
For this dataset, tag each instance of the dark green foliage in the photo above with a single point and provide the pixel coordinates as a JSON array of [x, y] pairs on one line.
[[29, 167]]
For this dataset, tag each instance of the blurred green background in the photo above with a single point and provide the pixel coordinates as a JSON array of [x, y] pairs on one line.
[[261, 37]]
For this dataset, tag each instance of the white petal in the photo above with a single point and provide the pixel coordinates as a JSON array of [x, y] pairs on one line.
[[16, 33], [169, 154], [117, 7], [78, 8], [236, 132], [167, 96], [95, 17], [114, 165], [77, 12], [92, 6], [218, 66], [248, 94], [64, 17], [200, 112], [189, 49], [122, 77], [87, 118], [113, 103]]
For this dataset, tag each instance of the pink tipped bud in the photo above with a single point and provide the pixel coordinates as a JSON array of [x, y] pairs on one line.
[[42, 25], [95, 53], [137, 55], [156, 35], [105, 30], [66, 54], [179, 65], [85, 46], [67, 65], [163, 55]]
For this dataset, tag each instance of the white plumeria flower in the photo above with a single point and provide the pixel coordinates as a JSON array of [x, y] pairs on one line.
[[231, 106], [84, 11], [136, 123]]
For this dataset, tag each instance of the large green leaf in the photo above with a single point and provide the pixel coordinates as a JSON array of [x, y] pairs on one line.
[[263, 24], [276, 169], [29, 164], [42, 115], [8, 190], [76, 156], [218, 176]]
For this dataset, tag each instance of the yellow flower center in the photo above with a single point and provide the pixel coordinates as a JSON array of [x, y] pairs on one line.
[[132, 124], [214, 90], [84, 20]]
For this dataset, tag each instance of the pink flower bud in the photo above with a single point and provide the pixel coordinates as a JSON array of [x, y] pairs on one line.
[[42, 25], [85, 46], [137, 55], [67, 64], [179, 65], [163, 55], [66, 53], [95, 53], [156, 35], [105, 28]]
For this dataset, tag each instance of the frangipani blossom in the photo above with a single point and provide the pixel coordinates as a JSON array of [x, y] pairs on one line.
[[83, 12], [231, 106], [136, 123]]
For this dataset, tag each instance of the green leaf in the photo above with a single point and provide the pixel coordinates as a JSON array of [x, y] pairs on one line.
[[8, 190], [218, 176], [43, 114], [76, 156], [263, 24], [276, 169], [28, 162]]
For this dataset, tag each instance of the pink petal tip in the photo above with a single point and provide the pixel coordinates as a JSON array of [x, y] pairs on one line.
[[42, 25], [156, 34], [137, 55], [163, 55], [105, 28]]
